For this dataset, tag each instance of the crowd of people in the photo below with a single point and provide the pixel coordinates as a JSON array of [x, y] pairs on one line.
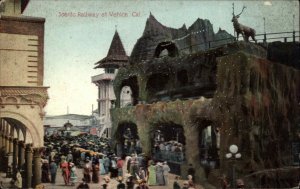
[[95, 158]]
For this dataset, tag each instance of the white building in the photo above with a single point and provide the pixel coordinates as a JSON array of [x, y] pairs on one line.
[[82, 122], [116, 57]]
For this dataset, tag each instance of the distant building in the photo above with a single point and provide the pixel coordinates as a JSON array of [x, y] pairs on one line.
[[116, 58], [83, 123]]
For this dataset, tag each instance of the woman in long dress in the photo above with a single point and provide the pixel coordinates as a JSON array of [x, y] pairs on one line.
[[95, 174], [151, 175], [102, 168], [65, 171], [73, 174], [159, 174]]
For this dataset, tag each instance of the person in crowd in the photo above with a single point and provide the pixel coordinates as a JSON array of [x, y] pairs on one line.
[[106, 182], [102, 168], [142, 184], [190, 181], [64, 165], [83, 185], [142, 174], [121, 185], [159, 174], [224, 183], [45, 171], [120, 163], [86, 171], [18, 182], [95, 174], [151, 174], [240, 183], [106, 164], [73, 174], [130, 181], [69, 157], [185, 185], [134, 168], [53, 171], [176, 184], [166, 170], [191, 171], [113, 167]]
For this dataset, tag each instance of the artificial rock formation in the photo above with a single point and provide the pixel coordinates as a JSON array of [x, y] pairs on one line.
[[254, 101]]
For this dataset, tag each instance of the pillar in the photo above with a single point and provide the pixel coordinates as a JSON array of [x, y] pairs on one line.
[[37, 172], [6, 144], [28, 166], [15, 156], [21, 155], [10, 155]]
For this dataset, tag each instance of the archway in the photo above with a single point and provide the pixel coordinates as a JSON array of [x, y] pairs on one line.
[[126, 98], [24, 122], [166, 48], [209, 145], [132, 84], [127, 138], [168, 144]]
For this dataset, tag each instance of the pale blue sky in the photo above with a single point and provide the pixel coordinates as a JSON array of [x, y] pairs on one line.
[[74, 44]]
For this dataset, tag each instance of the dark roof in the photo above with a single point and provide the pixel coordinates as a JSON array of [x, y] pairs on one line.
[[116, 55]]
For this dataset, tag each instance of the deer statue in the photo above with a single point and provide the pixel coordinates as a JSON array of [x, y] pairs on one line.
[[241, 29]]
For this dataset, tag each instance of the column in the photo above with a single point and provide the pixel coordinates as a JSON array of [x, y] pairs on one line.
[[10, 158], [37, 172], [15, 156], [6, 144], [28, 166], [21, 154]]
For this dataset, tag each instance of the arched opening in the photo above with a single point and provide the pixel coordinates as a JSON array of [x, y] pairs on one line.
[[129, 85], [28, 127], [209, 145], [167, 48], [126, 98], [168, 144], [127, 139]]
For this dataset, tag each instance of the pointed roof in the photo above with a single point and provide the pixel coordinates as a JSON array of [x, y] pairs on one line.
[[116, 55]]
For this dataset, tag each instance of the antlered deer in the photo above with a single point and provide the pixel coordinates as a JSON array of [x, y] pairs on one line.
[[241, 29]]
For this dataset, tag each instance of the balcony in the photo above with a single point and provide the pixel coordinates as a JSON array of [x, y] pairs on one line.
[[103, 77]]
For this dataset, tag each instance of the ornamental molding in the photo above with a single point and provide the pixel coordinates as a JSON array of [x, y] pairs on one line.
[[23, 96]]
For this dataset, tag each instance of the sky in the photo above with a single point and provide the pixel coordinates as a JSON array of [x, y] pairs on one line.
[[78, 33]]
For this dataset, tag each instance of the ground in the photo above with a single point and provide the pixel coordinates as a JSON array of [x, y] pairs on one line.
[[113, 183]]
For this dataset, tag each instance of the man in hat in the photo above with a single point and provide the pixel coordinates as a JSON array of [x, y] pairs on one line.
[[166, 170]]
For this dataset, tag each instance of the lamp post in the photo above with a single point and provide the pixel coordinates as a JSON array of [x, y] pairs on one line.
[[233, 155]]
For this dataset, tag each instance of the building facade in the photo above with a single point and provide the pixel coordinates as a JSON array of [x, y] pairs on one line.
[[196, 92], [22, 94], [84, 123], [116, 58]]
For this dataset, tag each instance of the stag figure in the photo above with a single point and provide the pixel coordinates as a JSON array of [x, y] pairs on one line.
[[241, 29]]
